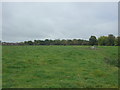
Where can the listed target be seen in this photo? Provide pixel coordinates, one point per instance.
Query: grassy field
(59, 67)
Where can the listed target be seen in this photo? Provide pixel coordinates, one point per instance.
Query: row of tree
(57, 42)
(109, 40)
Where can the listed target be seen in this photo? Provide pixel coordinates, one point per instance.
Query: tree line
(109, 40)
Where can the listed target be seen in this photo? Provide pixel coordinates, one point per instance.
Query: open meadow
(59, 67)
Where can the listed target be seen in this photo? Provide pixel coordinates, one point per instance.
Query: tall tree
(28, 42)
(103, 40)
(111, 40)
(117, 41)
(92, 40)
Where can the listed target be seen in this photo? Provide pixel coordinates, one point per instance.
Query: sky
(23, 21)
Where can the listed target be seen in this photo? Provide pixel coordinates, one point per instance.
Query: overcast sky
(30, 21)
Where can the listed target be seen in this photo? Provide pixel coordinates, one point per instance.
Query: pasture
(59, 67)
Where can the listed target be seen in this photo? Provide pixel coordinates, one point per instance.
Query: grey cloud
(29, 21)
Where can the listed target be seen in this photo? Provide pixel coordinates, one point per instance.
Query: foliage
(57, 42)
(109, 40)
(117, 41)
(93, 40)
(102, 40)
(29, 42)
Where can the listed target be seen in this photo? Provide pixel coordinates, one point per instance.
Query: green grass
(59, 67)
(0, 67)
